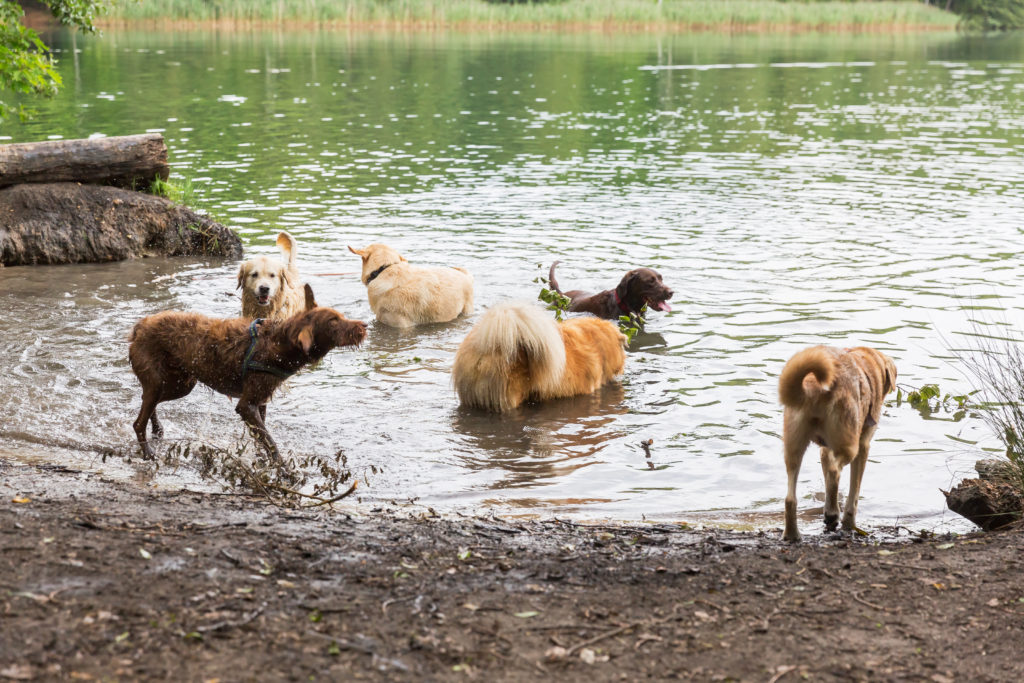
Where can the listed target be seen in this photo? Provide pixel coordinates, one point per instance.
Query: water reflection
(539, 441)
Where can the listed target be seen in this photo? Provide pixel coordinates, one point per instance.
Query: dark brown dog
(638, 288)
(171, 351)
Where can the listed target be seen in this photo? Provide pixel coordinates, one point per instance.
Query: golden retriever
(517, 352)
(403, 295)
(832, 397)
(241, 358)
(270, 288)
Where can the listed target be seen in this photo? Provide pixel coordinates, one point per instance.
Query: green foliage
(631, 324)
(990, 15)
(930, 399)
(556, 301)
(668, 13)
(26, 65)
(178, 192)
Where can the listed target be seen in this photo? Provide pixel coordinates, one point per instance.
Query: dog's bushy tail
(793, 391)
(286, 243)
(514, 350)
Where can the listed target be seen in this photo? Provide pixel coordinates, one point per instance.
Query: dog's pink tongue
(663, 306)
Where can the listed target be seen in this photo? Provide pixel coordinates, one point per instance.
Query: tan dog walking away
(271, 288)
(834, 398)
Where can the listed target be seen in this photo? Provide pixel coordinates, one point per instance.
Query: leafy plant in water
(556, 301)
(631, 324)
(930, 399)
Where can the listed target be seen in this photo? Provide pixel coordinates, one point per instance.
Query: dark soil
(103, 580)
(55, 223)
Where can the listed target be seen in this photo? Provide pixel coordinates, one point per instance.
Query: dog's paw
(791, 536)
(831, 522)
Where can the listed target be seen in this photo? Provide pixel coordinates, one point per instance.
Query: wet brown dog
(171, 351)
(638, 288)
(832, 397)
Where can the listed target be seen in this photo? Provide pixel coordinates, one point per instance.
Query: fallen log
(72, 223)
(130, 161)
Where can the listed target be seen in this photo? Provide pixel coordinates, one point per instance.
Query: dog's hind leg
(831, 464)
(795, 443)
(158, 429)
(856, 476)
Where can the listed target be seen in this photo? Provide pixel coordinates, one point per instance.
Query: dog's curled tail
(793, 391)
(286, 243)
(516, 349)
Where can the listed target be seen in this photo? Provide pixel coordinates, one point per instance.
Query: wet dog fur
(270, 288)
(517, 353)
(171, 351)
(404, 295)
(834, 398)
(638, 288)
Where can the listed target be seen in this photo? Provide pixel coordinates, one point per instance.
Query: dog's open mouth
(660, 305)
(263, 299)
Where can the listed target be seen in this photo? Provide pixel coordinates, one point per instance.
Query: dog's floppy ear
(623, 287)
(310, 301)
(286, 279)
(241, 275)
(305, 338)
(358, 252)
(890, 375)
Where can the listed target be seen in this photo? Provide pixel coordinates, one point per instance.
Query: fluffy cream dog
(403, 295)
(517, 352)
(271, 288)
(834, 398)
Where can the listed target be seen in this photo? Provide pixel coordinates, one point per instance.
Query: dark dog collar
(377, 272)
(249, 364)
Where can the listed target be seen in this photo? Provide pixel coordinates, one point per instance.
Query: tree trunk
(131, 161)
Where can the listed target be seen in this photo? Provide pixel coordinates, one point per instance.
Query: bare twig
(602, 636)
(872, 605)
(231, 624)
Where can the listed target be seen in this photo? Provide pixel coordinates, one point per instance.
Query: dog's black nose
(264, 290)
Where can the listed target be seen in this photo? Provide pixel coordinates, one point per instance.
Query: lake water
(793, 190)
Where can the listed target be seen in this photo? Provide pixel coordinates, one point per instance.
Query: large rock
(71, 223)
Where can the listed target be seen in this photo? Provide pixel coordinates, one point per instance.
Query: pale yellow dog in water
(403, 295)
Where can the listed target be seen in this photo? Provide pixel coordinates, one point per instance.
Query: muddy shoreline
(109, 580)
